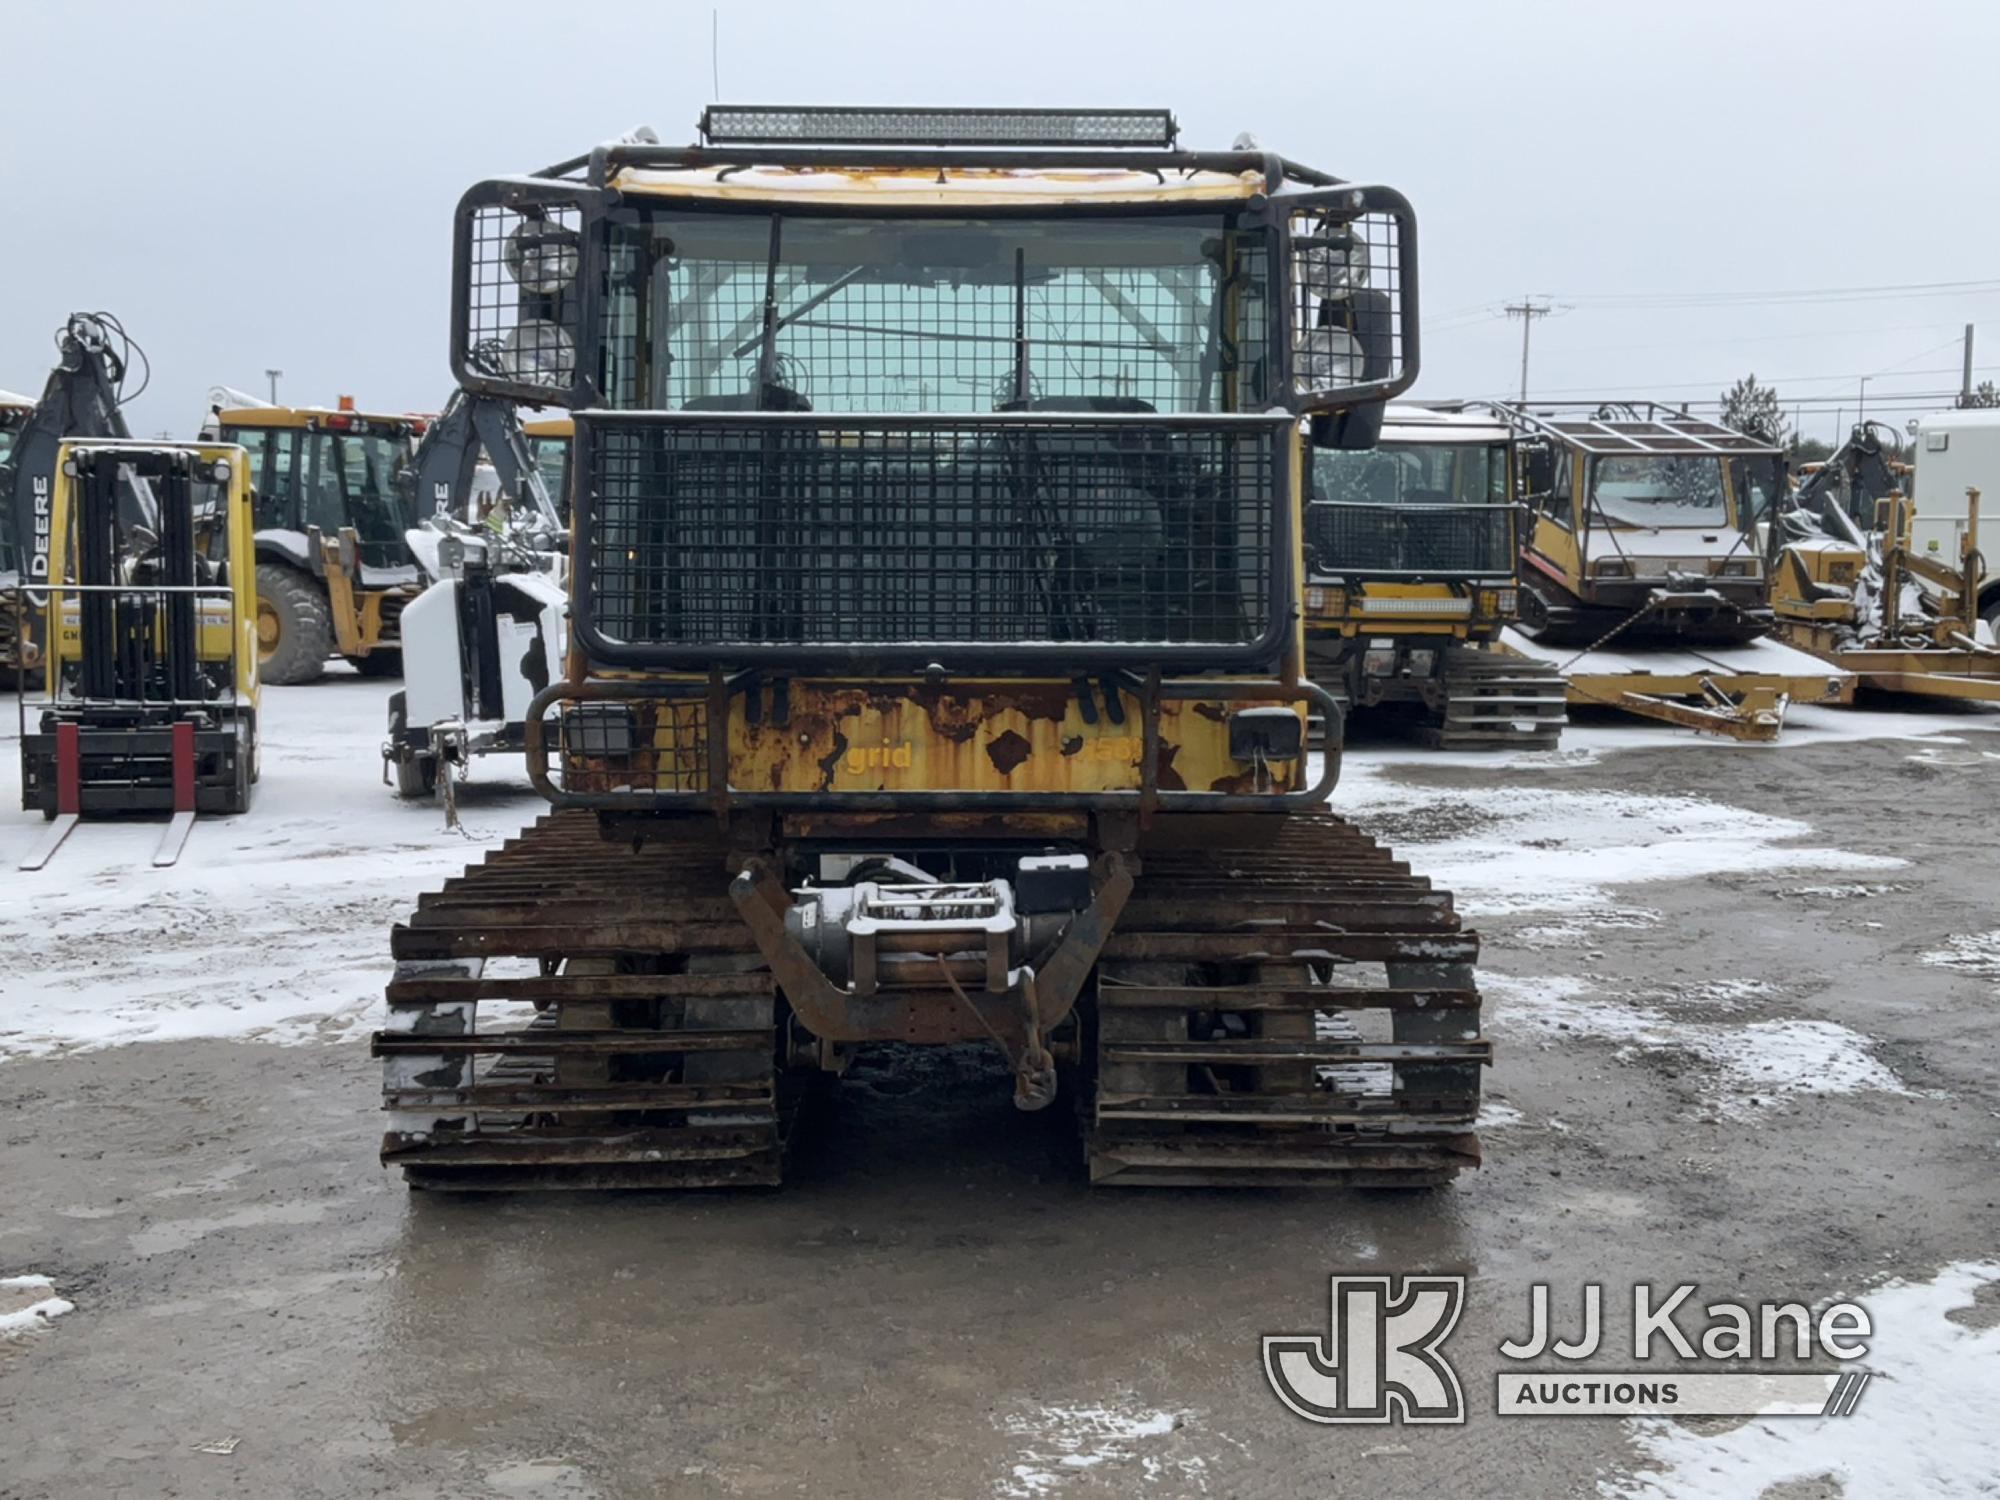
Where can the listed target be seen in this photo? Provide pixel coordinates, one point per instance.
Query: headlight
(1498, 604)
(539, 352)
(1330, 263)
(1329, 357)
(1611, 567)
(1739, 567)
(543, 256)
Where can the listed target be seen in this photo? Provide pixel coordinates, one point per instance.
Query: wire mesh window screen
(1411, 507)
(1347, 300)
(523, 302)
(725, 312)
(1424, 541)
(817, 533)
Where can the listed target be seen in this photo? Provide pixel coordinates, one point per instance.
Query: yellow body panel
(1446, 611)
(979, 737)
(906, 735)
(219, 623)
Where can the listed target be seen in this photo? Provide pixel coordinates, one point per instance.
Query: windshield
(1658, 490)
(1413, 474)
(355, 485)
(935, 315)
(551, 455)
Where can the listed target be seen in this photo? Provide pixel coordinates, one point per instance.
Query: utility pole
(1965, 380)
(272, 376)
(1527, 310)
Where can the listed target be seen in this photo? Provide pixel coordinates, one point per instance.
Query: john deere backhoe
(935, 671)
(333, 569)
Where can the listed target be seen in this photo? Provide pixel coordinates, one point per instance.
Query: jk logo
(1379, 1361)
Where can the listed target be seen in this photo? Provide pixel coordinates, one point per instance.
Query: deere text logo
(1379, 1361)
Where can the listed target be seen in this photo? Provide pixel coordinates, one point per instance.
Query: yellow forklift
(333, 568)
(150, 696)
(1410, 553)
(935, 671)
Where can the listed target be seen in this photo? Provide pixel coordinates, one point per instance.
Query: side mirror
(1360, 427)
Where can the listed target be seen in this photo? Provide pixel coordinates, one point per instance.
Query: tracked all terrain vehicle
(1410, 554)
(936, 671)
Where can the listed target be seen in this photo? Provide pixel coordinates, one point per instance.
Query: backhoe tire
(294, 626)
(383, 661)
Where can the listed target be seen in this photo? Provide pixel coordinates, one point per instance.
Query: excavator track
(571, 1013)
(1300, 1013)
(1496, 700)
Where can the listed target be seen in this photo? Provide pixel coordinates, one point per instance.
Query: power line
(1675, 300)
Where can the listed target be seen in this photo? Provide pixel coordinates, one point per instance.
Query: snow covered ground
(1924, 1428)
(273, 926)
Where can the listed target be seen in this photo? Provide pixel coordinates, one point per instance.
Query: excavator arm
(441, 472)
(1857, 475)
(81, 400)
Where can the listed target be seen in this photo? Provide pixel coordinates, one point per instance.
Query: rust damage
(830, 762)
(1072, 744)
(1008, 751)
(1164, 774)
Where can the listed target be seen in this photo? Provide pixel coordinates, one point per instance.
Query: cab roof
(1056, 184)
(309, 416)
(1628, 428)
(1443, 421)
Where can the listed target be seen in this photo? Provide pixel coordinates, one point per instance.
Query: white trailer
(1954, 451)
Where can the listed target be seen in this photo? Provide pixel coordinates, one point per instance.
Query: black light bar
(850, 124)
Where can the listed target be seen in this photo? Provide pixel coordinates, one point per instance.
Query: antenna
(714, 54)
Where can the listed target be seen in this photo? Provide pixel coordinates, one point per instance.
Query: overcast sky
(260, 185)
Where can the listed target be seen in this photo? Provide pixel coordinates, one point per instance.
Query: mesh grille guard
(985, 542)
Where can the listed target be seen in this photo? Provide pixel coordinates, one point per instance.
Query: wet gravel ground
(936, 1306)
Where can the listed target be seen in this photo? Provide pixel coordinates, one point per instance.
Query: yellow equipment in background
(1641, 578)
(1870, 603)
(333, 568)
(550, 440)
(151, 692)
(1410, 553)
